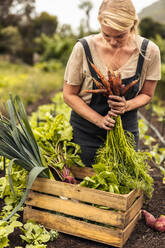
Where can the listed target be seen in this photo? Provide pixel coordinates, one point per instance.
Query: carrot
(110, 80)
(103, 79)
(96, 91)
(110, 76)
(119, 80)
(128, 87)
(98, 84)
(116, 88)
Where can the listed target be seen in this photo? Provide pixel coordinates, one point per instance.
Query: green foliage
(5, 230)
(54, 135)
(4, 187)
(161, 44)
(18, 144)
(19, 178)
(119, 168)
(65, 31)
(55, 47)
(159, 112)
(36, 235)
(150, 28)
(157, 152)
(45, 23)
(60, 106)
(102, 180)
(10, 40)
(159, 92)
(18, 13)
(163, 73)
(49, 66)
(147, 139)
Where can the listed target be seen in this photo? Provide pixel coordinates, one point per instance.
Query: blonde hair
(119, 15)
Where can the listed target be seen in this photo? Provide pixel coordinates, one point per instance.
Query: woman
(119, 47)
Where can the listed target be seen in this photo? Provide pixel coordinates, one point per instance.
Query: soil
(141, 237)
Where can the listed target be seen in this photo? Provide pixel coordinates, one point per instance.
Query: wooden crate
(68, 208)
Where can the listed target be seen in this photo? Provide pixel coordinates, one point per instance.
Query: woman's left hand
(117, 104)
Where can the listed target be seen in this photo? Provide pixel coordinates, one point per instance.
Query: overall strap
(89, 58)
(141, 56)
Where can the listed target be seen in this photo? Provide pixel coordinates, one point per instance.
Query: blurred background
(37, 37)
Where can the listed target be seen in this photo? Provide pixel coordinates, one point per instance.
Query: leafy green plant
(36, 235)
(19, 145)
(6, 229)
(147, 139)
(4, 187)
(19, 183)
(157, 152)
(54, 136)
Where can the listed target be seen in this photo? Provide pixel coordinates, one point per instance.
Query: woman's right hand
(107, 122)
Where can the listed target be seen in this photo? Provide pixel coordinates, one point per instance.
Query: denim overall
(89, 136)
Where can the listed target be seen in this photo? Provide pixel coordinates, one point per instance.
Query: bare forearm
(138, 102)
(81, 108)
(144, 97)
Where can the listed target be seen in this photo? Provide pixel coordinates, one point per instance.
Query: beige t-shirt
(77, 71)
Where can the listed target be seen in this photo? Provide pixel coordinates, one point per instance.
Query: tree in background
(42, 24)
(66, 30)
(150, 28)
(10, 42)
(87, 7)
(45, 23)
(14, 15)
(13, 12)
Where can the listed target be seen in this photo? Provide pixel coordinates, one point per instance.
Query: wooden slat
(132, 197)
(80, 173)
(75, 227)
(77, 209)
(128, 230)
(84, 194)
(133, 210)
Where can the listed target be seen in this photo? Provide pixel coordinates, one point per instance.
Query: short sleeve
(74, 68)
(154, 64)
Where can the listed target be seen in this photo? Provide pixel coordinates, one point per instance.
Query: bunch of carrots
(112, 86)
